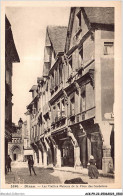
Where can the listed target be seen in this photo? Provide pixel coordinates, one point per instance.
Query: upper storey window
(79, 19)
(108, 48)
(77, 36)
(70, 65)
(60, 73)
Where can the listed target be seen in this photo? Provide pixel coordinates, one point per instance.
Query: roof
(100, 15)
(57, 35)
(34, 87)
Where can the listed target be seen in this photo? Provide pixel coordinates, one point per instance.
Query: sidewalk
(83, 171)
(78, 170)
(50, 175)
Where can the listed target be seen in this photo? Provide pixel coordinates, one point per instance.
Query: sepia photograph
(59, 97)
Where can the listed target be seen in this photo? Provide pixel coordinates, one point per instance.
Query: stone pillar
(34, 157)
(40, 158)
(45, 158)
(49, 157)
(88, 148)
(77, 162)
(37, 157)
(83, 151)
(58, 158)
(107, 162)
(49, 153)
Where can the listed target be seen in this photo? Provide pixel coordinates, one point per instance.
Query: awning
(28, 152)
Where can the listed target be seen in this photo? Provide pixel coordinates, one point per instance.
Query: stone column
(49, 153)
(45, 158)
(40, 158)
(44, 153)
(83, 151)
(77, 162)
(88, 148)
(107, 162)
(58, 157)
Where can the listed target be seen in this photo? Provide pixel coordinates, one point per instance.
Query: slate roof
(100, 15)
(57, 35)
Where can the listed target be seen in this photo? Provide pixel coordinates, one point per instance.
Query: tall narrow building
(11, 56)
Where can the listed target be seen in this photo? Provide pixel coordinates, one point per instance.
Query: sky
(29, 29)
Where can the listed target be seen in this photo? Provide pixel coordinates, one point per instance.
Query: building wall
(104, 78)
(11, 56)
(75, 98)
(15, 147)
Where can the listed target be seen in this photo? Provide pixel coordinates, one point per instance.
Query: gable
(75, 29)
(76, 26)
(89, 16)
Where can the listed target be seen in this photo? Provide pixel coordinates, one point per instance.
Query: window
(72, 105)
(53, 113)
(83, 99)
(60, 73)
(80, 56)
(32, 132)
(70, 64)
(79, 18)
(35, 130)
(56, 78)
(63, 108)
(52, 81)
(108, 48)
(58, 109)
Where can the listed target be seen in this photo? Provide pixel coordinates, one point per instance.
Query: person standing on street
(9, 160)
(92, 169)
(30, 165)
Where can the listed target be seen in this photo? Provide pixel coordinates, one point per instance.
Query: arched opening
(16, 153)
(67, 153)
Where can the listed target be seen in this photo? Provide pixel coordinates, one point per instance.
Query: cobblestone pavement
(20, 174)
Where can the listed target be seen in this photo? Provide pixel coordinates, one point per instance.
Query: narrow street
(20, 175)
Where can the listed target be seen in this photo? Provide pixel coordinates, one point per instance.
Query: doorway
(67, 153)
(14, 157)
(16, 153)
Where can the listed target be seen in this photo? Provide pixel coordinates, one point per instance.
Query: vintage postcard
(61, 95)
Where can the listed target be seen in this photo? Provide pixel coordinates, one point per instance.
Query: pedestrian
(9, 160)
(92, 169)
(30, 165)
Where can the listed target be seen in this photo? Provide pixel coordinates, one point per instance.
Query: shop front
(64, 152)
(89, 140)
